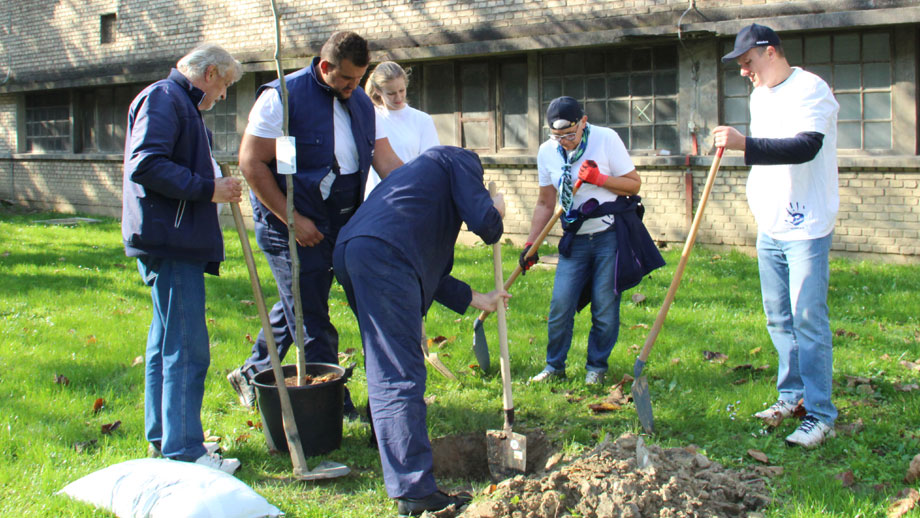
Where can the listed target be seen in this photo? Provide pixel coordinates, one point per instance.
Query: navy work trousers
(384, 292)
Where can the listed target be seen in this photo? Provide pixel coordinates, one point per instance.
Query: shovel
(639, 391)
(507, 451)
(326, 469)
(433, 360)
(480, 346)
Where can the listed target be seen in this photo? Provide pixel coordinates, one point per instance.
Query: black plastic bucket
(317, 409)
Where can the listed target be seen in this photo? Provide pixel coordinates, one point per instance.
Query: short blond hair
(195, 64)
(384, 72)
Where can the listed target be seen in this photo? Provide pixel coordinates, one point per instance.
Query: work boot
(810, 433)
(546, 374)
(434, 502)
(243, 387)
(778, 411)
(154, 452)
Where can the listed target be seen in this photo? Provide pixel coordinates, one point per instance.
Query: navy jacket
(637, 255)
(169, 177)
(310, 122)
(418, 209)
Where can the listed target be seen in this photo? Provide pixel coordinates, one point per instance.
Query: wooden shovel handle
(507, 400)
(295, 447)
(533, 248)
(688, 245)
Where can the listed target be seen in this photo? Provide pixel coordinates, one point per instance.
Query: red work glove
(526, 263)
(591, 174)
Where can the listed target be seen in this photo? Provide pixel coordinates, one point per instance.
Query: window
(477, 104)
(632, 90)
(857, 66)
(107, 28)
(221, 120)
(104, 117)
(48, 122)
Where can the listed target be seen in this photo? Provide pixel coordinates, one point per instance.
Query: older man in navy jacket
(394, 259)
(169, 222)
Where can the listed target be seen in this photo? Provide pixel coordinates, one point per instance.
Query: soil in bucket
(318, 408)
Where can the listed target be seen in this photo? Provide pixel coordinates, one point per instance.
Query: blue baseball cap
(563, 112)
(752, 36)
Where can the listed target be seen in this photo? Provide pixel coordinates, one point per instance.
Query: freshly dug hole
(463, 456)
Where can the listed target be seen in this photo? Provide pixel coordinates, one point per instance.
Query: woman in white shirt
(410, 131)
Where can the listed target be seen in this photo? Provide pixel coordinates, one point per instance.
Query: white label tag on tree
(286, 155)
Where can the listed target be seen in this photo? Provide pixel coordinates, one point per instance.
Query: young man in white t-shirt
(792, 191)
(598, 157)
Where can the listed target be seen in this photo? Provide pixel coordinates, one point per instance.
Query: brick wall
(7, 124)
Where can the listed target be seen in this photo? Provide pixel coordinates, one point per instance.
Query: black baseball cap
(752, 36)
(563, 112)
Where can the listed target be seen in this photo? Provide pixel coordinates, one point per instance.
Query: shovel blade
(643, 401)
(507, 453)
(326, 469)
(480, 347)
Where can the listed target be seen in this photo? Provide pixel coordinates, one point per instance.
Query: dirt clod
(608, 482)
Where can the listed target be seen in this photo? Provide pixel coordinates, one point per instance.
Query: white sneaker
(774, 415)
(810, 433)
(215, 461)
(594, 378)
(546, 374)
(153, 449)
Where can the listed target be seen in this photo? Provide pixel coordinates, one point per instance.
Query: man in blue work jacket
(337, 140)
(169, 223)
(394, 259)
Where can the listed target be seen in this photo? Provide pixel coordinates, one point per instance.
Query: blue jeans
(794, 277)
(177, 356)
(593, 259)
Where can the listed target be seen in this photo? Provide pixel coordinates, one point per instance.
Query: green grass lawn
(73, 305)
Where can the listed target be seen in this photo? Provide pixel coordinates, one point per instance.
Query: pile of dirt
(626, 479)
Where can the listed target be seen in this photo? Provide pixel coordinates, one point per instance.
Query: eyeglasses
(563, 138)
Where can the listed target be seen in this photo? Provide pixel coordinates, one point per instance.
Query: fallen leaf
(675, 361)
(626, 379)
(714, 357)
(350, 350)
(208, 437)
(913, 472)
(910, 365)
(439, 339)
(98, 405)
(853, 381)
(212, 321)
(634, 348)
(769, 471)
(846, 478)
(906, 500)
(616, 396)
(84, 446)
(636, 326)
(755, 350)
(60, 379)
(249, 338)
(638, 298)
(491, 489)
(885, 357)
(799, 410)
(91, 339)
(740, 381)
(137, 361)
(242, 438)
(850, 428)
(762, 367)
(110, 427)
(604, 407)
(759, 456)
(430, 400)
(743, 367)
(257, 425)
(247, 302)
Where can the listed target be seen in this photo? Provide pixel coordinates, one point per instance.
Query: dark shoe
(352, 415)
(434, 502)
(242, 387)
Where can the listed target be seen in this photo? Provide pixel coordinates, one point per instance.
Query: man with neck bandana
(598, 157)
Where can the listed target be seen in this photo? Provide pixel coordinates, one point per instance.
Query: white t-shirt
(605, 148)
(409, 131)
(267, 117)
(795, 201)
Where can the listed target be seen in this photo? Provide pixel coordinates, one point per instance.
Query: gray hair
(384, 72)
(195, 64)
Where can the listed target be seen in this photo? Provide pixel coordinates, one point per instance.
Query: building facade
(485, 70)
